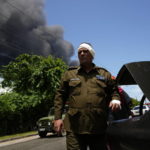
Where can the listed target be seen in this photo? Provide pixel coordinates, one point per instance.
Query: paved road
(35, 143)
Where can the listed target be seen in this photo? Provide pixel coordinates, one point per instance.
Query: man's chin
(83, 61)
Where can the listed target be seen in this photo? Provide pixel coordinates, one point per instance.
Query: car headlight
(49, 123)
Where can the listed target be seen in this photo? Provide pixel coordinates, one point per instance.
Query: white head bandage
(88, 47)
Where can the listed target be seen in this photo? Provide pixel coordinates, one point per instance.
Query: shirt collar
(80, 69)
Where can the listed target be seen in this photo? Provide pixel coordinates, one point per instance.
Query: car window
(51, 112)
(144, 107)
(136, 108)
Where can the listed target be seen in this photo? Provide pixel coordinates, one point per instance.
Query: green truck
(46, 124)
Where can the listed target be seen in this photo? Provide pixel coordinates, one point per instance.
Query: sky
(119, 30)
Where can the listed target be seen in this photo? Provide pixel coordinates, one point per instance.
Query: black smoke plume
(23, 29)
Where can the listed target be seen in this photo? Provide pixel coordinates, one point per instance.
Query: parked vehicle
(136, 110)
(46, 124)
(132, 133)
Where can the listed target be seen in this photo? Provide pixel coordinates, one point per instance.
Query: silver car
(136, 110)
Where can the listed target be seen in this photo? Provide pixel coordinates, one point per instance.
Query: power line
(25, 15)
(10, 29)
(11, 45)
(9, 33)
(18, 9)
(13, 58)
(15, 42)
(28, 16)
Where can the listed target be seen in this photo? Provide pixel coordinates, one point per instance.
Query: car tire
(42, 134)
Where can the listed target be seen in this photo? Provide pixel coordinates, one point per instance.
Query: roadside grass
(19, 135)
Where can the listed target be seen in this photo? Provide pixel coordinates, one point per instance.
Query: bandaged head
(88, 47)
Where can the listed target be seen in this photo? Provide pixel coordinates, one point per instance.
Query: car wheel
(42, 134)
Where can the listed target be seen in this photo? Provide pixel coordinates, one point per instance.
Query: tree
(135, 102)
(33, 80)
(32, 74)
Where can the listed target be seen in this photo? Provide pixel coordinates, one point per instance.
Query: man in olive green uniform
(89, 91)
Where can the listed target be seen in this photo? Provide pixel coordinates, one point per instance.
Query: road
(35, 143)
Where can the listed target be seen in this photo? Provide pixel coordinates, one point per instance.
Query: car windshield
(51, 112)
(138, 107)
(144, 107)
(135, 108)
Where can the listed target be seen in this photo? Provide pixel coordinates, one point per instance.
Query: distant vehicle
(132, 133)
(148, 104)
(136, 110)
(46, 124)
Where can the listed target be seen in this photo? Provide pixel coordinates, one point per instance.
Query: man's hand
(115, 105)
(58, 125)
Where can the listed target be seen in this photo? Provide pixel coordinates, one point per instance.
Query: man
(90, 91)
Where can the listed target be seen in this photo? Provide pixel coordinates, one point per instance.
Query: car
(45, 125)
(132, 133)
(136, 110)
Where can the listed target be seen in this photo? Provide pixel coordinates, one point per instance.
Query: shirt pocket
(75, 87)
(73, 112)
(100, 83)
(98, 87)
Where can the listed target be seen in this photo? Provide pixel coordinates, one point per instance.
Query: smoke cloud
(23, 29)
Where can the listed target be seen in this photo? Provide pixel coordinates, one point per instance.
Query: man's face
(84, 56)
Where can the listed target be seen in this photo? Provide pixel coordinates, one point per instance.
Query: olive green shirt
(88, 96)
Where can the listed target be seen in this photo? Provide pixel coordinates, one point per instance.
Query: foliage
(33, 80)
(33, 75)
(135, 102)
(13, 102)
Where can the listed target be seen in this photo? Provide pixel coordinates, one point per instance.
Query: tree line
(33, 81)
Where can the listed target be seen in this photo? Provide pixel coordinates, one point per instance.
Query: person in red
(125, 111)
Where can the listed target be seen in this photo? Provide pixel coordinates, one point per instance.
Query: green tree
(34, 75)
(33, 80)
(135, 102)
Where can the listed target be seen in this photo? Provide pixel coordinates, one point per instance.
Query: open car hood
(133, 133)
(136, 73)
